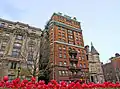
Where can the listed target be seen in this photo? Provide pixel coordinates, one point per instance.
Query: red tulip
(54, 82)
(41, 82)
(85, 85)
(50, 85)
(33, 79)
(5, 78)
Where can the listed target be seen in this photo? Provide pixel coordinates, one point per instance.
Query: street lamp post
(19, 69)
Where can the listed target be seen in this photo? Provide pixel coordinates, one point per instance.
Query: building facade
(109, 73)
(112, 69)
(19, 44)
(95, 66)
(67, 53)
(116, 65)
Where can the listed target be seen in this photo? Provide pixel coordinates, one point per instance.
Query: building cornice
(115, 58)
(68, 44)
(65, 25)
(68, 17)
(21, 24)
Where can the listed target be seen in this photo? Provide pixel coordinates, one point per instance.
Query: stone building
(67, 53)
(95, 66)
(19, 45)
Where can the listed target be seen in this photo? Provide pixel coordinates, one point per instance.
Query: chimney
(117, 55)
(87, 48)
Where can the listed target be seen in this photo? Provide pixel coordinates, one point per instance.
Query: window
(60, 73)
(70, 73)
(78, 51)
(69, 31)
(3, 47)
(63, 28)
(80, 65)
(60, 63)
(65, 63)
(59, 34)
(1, 53)
(63, 35)
(51, 63)
(76, 23)
(63, 73)
(16, 50)
(59, 27)
(30, 56)
(82, 57)
(10, 25)
(64, 48)
(13, 65)
(76, 33)
(75, 73)
(15, 54)
(60, 47)
(70, 37)
(59, 39)
(64, 55)
(82, 51)
(79, 58)
(70, 42)
(76, 38)
(2, 24)
(19, 37)
(68, 20)
(22, 26)
(4, 43)
(71, 64)
(7, 34)
(62, 40)
(17, 45)
(74, 65)
(29, 63)
(66, 73)
(61, 18)
(84, 65)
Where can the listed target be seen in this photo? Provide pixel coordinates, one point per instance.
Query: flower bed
(25, 84)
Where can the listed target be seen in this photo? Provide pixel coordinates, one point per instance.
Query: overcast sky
(100, 19)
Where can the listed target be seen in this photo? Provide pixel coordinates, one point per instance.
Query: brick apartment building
(67, 53)
(111, 70)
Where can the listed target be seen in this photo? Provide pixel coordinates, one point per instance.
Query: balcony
(73, 59)
(75, 76)
(78, 75)
(74, 68)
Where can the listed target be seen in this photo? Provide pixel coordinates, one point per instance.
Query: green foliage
(24, 72)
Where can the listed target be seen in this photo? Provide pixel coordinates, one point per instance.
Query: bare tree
(40, 61)
(31, 55)
(44, 61)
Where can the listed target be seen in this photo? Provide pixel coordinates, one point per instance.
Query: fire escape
(75, 71)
